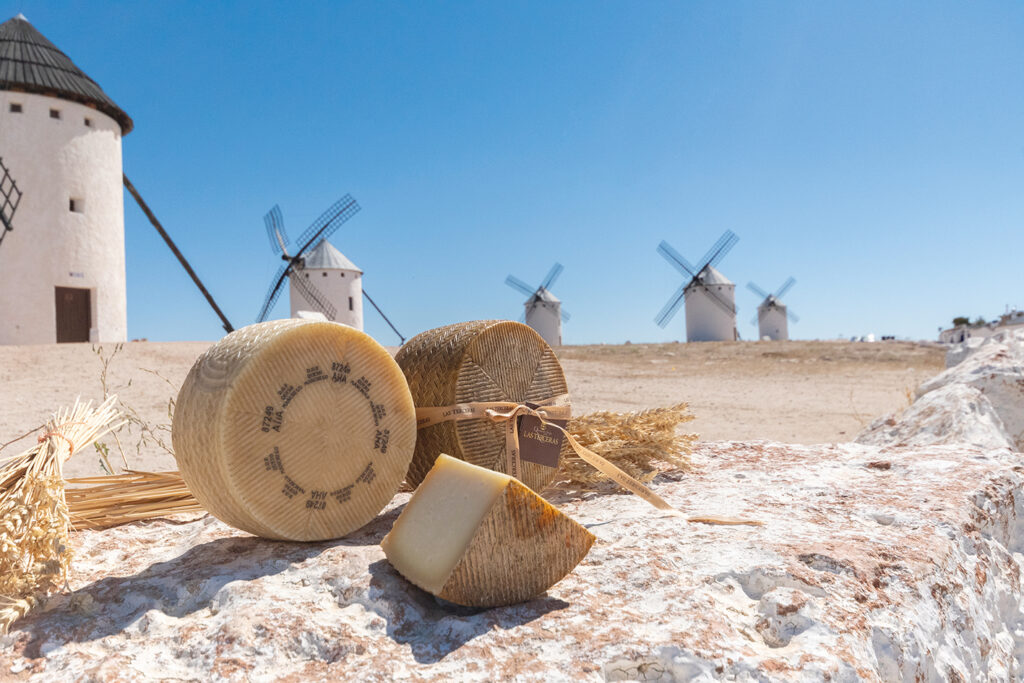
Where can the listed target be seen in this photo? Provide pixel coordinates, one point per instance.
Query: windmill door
(74, 314)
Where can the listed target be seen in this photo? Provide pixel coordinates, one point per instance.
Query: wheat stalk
(635, 442)
(34, 518)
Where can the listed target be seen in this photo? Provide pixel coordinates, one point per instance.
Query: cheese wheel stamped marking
(275, 415)
(295, 430)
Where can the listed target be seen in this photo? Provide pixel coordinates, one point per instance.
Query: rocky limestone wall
(897, 559)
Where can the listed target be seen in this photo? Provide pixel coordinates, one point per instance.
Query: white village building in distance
(62, 265)
(1011, 320)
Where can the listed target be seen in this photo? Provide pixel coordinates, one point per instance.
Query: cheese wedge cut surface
(481, 538)
(294, 429)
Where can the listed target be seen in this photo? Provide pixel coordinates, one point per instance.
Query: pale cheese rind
(479, 538)
(294, 429)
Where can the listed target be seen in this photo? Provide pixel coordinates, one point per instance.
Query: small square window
(55, 113)
(325, 274)
(15, 107)
(88, 122)
(76, 205)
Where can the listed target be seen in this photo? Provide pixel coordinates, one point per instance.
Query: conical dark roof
(31, 63)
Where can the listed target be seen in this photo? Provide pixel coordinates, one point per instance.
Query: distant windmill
(771, 314)
(338, 291)
(710, 297)
(10, 197)
(543, 309)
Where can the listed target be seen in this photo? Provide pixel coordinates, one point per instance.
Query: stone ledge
(872, 563)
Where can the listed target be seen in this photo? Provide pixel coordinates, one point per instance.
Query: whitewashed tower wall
(772, 323)
(545, 317)
(54, 161)
(343, 288)
(706, 319)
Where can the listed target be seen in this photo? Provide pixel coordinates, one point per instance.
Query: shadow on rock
(177, 587)
(434, 628)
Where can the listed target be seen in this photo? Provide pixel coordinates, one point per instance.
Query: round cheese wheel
(294, 429)
(479, 361)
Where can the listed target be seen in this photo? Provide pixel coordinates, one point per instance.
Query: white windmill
(710, 297)
(543, 310)
(62, 265)
(772, 314)
(321, 279)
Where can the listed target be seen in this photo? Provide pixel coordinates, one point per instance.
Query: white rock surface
(958, 352)
(898, 559)
(951, 414)
(870, 565)
(996, 369)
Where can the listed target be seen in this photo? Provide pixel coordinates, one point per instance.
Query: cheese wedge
(294, 429)
(481, 538)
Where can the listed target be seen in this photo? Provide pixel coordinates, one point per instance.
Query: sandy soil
(798, 392)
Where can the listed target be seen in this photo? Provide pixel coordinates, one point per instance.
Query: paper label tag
(538, 443)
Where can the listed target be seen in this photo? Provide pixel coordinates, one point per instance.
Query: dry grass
(639, 443)
(34, 550)
(103, 502)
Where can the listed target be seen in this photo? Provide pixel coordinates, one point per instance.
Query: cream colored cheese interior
(439, 521)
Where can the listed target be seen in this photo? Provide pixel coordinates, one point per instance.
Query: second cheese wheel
(294, 429)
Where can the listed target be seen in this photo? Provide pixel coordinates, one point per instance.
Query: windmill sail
(10, 197)
(696, 276)
(325, 225)
(704, 291)
(541, 296)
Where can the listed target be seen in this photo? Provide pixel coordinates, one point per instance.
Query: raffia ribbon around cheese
(508, 413)
(503, 411)
(482, 361)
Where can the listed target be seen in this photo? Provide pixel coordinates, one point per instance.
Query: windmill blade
(275, 230)
(329, 221)
(10, 197)
(670, 308)
(177, 252)
(515, 283)
(792, 316)
(312, 295)
(784, 288)
(565, 316)
(676, 259)
(715, 255)
(553, 274)
(393, 328)
(754, 320)
(274, 292)
(757, 290)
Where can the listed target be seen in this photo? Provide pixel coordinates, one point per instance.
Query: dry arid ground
(797, 391)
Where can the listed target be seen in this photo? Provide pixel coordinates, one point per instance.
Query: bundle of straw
(34, 519)
(103, 502)
(635, 442)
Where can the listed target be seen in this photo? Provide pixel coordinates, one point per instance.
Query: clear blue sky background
(874, 151)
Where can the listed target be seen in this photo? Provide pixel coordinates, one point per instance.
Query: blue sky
(873, 151)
